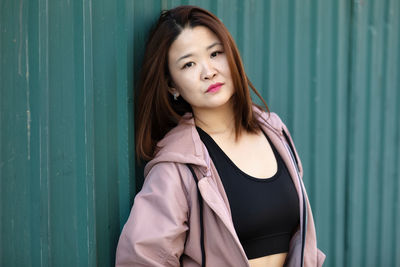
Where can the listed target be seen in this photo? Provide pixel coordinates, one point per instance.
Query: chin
(219, 104)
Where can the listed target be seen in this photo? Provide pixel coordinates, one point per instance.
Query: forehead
(192, 39)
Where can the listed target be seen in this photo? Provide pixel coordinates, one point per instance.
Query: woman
(223, 185)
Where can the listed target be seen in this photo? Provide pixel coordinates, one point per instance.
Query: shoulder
(269, 119)
(275, 120)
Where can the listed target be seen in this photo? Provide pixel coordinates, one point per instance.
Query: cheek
(184, 85)
(224, 66)
(178, 79)
(188, 80)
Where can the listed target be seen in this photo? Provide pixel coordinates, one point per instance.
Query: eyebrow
(208, 48)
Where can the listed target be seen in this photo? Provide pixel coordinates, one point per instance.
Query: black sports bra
(265, 212)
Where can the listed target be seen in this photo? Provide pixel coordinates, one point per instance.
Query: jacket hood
(180, 145)
(183, 145)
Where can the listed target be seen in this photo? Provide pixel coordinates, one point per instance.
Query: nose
(208, 71)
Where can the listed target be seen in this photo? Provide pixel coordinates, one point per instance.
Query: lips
(214, 87)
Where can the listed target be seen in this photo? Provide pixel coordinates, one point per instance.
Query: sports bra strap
(199, 197)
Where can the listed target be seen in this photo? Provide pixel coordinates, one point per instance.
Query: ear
(173, 91)
(172, 88)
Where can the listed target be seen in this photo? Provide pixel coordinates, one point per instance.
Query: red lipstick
(214, 87)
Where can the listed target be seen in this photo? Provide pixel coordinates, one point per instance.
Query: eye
(188, 65)
(216, 53)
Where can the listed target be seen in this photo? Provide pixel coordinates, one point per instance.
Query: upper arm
(155, 232)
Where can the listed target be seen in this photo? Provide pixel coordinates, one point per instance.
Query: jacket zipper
(304, 230)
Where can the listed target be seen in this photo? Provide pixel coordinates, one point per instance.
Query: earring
(176, 96)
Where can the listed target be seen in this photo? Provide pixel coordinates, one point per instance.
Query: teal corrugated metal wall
(66, 130)
(67, 69)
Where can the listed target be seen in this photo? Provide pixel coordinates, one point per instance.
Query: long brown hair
(157, 112)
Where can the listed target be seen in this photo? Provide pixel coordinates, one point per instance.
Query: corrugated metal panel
(329, 68)
(373, 136)
(66, 131)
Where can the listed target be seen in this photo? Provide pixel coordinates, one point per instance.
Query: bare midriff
(275, 260)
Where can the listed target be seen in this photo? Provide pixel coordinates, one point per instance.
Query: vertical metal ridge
(122, 110)
(126, 181)
(366, 166)
(240, 26)
(7, 153)
(396, 205)
(333, 235)
(377, 94)
(343, 15)
(369, 166)
(396, 188)
(386, 185)
(313, 93)
(2, 123)
(88, 102)
(364, 96)
(44, 135)
(291, 64)
(130, 87)
(265, 64)
(348, 168)
(333, 114)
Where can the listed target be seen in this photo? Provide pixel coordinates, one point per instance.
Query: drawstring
(296, 163)
(203, 253)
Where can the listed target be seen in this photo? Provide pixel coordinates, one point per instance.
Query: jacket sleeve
(155, 232)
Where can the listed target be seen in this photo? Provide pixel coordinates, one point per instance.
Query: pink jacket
(163, 228)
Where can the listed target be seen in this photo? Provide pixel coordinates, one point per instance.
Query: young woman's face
(199, 69)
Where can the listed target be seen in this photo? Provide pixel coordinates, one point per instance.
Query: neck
(218, 121)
